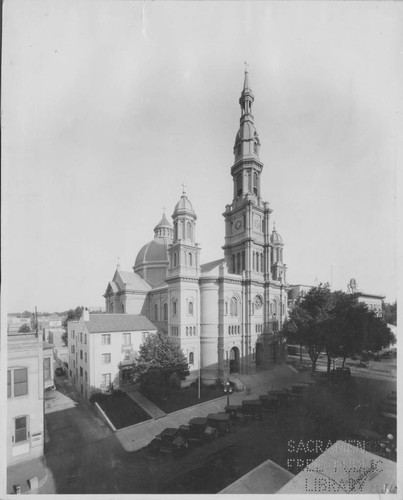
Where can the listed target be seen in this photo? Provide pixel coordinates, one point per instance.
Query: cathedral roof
(100, 323)
(211, 266)
(133, 281)
(155, 250)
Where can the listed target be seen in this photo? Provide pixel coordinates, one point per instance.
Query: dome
(155, 250)
(275, 237)
(183, 206)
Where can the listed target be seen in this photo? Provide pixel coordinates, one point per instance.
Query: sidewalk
(20, 474)
(140, 435)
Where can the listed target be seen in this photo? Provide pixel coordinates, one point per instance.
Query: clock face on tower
(257, 223)
(238, 224)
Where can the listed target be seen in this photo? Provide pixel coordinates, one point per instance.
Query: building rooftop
(100, 323)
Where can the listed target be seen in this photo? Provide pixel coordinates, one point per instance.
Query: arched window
(191, 358)
(156, 311)
(190, 308)
(233, 264)
(175, 231)
(174, 259)
(174, 307)
(239, 185)
(229, 330)
(111, 307)
(255, 183)
(190, 259)
(226, 308)
(189, 230)
(187, 331)
(234, 307)
(257, 262)
(261, 263)
(165, 311)
(123, 307)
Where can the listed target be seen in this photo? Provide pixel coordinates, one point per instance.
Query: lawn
(121, 410)
(186, 397)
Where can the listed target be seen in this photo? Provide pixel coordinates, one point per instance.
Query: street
(84, 455)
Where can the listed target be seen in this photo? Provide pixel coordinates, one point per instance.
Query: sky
(109, 107)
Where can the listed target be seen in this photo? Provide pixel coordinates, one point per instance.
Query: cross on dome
(184, 189)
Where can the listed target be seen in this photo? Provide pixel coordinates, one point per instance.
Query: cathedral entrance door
(234, 360)
(259, 354)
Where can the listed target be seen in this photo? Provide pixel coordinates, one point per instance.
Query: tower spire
(246, 80)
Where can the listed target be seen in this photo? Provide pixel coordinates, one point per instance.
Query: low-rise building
(373, 302)
(29, 373)
(102, 349)
(295, 291)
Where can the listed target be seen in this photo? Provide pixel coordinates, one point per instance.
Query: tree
(335, 322)
(71, 315)
(305, 325)
(24, 328)
(160, 365)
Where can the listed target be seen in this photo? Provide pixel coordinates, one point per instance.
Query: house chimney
(86, 314)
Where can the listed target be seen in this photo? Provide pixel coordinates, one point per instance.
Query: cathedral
(227, 315)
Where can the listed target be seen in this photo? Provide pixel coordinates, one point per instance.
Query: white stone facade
(227, 315)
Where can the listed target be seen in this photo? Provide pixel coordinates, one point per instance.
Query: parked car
(220, 421)
(253, 407)
(169, 441)
(298, 390)
(340, 374)
(269, 402)
(197, 431)
(237, 414)
(60, 371)
(281, 394)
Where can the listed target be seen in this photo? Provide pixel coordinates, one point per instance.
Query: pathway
(140, 435)
(145, 403)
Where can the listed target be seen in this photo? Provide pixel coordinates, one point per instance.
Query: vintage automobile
(237, 414)
(281, 394)
(220, 421)
(388, 406)
(197, 431)
(298, 390)
(169, 441)
(340, 374)
(253, 407)
(270, 402)
(60, 371)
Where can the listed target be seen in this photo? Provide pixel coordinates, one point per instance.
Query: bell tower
(247, 238)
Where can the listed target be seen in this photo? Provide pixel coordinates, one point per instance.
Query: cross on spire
(118, 264)
(163, 210)
(246, 67)
(184, 188)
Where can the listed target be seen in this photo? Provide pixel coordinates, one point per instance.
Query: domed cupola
(184, 219)
(163, 228)
(152, 260)
(184, 207)
(275, 237)
(278, 268)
